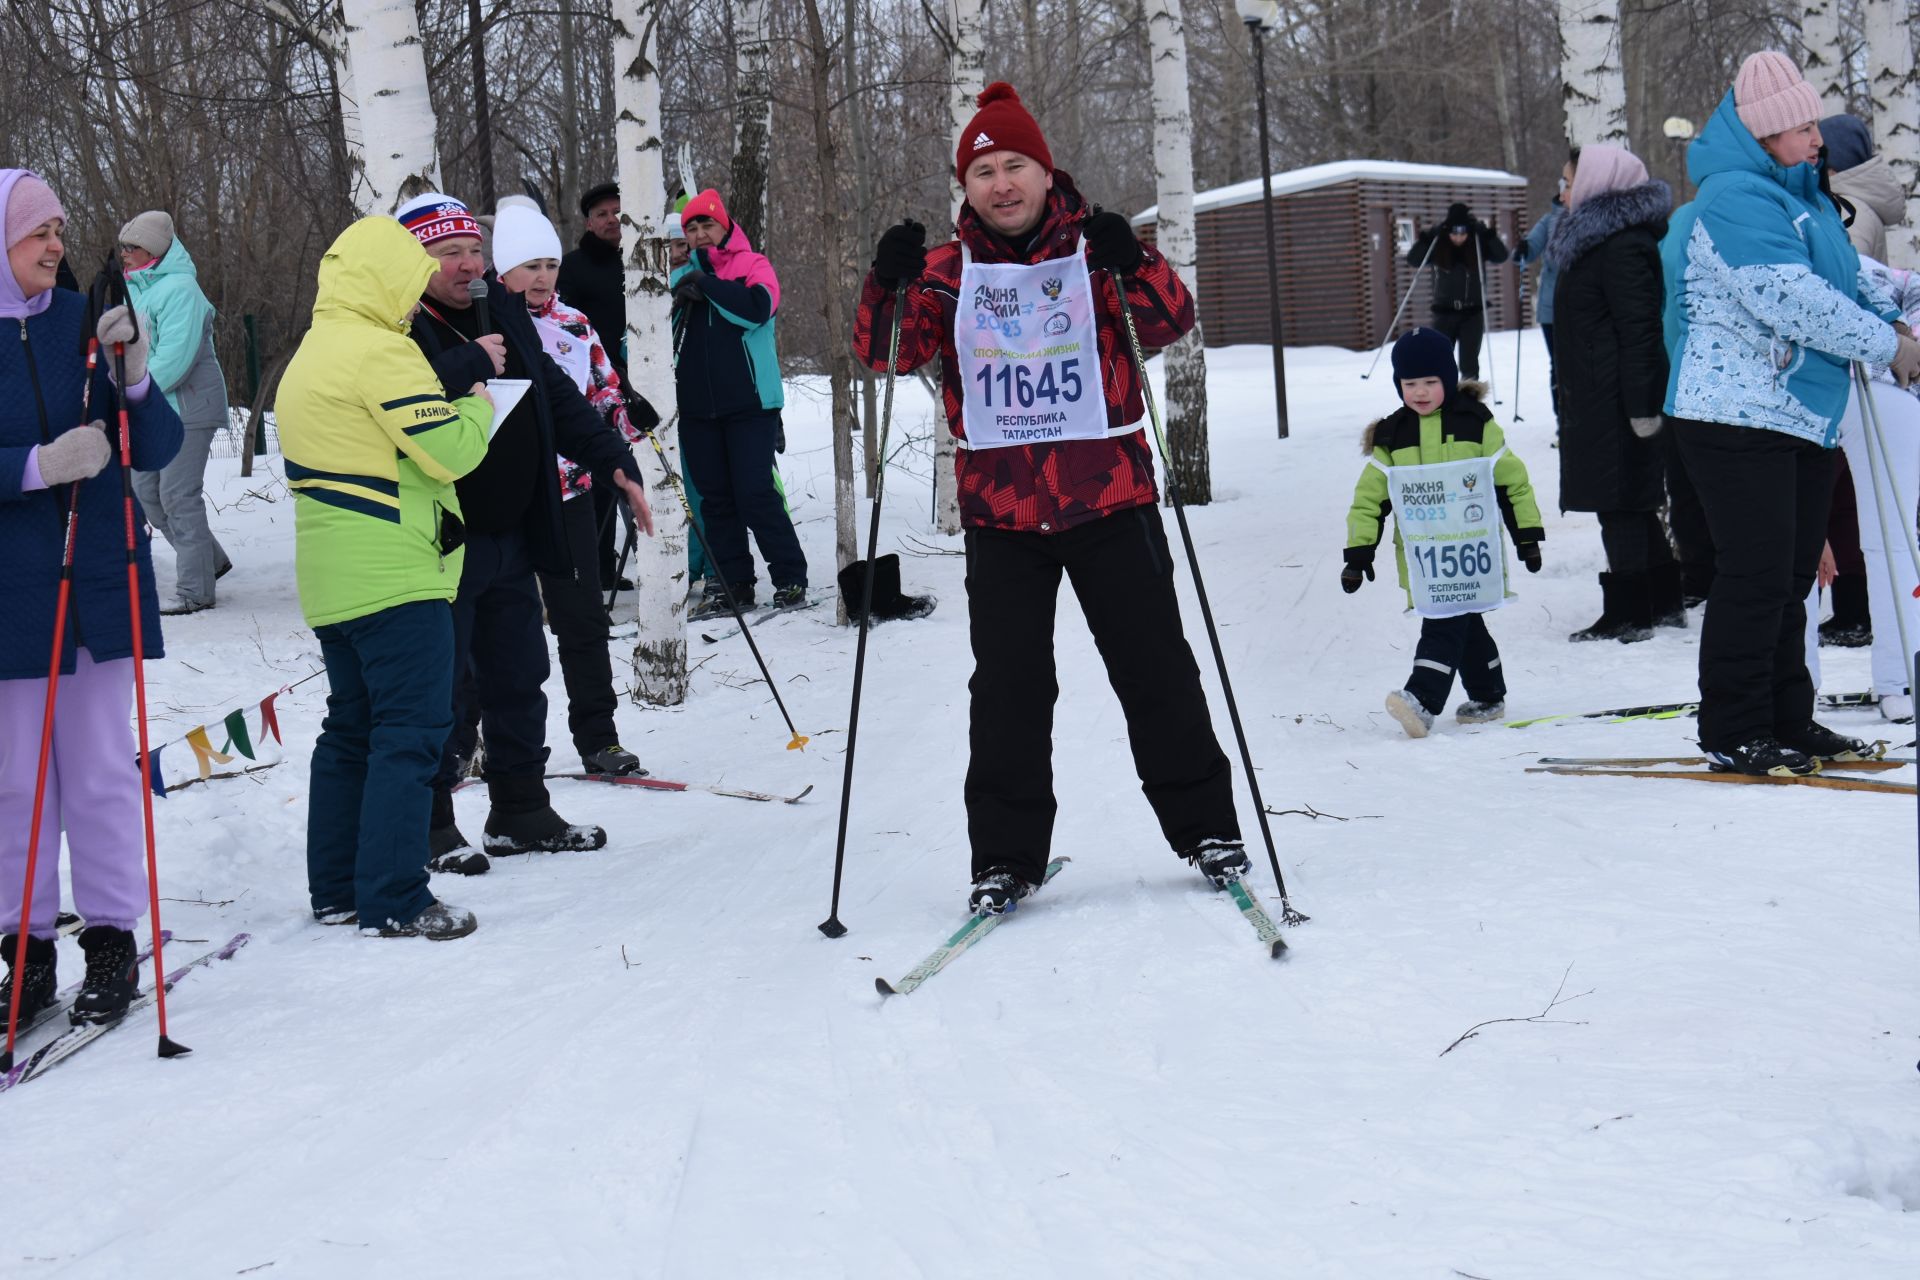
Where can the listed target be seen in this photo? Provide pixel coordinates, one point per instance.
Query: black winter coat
(592, 280)
(1457, 272)
(562, 420)
(1610, 357)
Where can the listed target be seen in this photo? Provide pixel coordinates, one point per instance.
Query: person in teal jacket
(727, 372)
(1766, 309)
(165, 290)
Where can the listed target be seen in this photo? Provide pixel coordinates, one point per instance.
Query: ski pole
(46, 729)
(1879, 467)
(1288, 913)
(1405, 299)
(169, 1048)
(799, 740)
(1519, 336)
(620, 568)
(831, 926)
(1486, 320)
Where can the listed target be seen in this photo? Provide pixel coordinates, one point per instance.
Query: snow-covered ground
(647, 1062)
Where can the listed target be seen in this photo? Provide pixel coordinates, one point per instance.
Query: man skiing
(1055, 476)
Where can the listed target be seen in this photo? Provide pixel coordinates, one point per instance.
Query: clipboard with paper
(507, 394)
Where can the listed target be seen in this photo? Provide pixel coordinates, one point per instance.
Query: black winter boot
(113, 975)
(997, 891)
(1851, 626)
(1666, 595)
(449, 851)
(539, 831)
(37, 980)
(1626, 610)
(1220, 861)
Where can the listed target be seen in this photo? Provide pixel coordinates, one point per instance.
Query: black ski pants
(1635, 541)
(1766, 496)
(1686, 520)
(1460, 644)
(1122, 573)
(577, 613)
(496, 628)
(731, 462)
(1466, 328)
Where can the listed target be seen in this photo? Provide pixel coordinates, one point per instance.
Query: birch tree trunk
(1186, 360)
(837, 287)
(1896, 115)
(393, 130)
(1594, 91)
(967, 71)
(1823, 50)
(752, 119)
(660, 562)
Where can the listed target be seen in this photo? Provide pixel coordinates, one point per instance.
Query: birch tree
(393, 131)
(1896, 114)
(1823, 49)
(1593, 89)
(660, 652)
(967, 71)
(752, 118)
(1186, 360)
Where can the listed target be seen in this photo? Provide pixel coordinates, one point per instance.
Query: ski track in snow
(1118, 1082)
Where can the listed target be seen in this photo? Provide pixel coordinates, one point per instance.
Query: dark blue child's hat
(1425, 353)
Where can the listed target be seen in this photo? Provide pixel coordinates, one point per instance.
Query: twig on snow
(1311, 812)
(1541, 1016)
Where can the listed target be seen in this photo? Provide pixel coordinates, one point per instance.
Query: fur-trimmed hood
(1474, 391)
(1597, 217)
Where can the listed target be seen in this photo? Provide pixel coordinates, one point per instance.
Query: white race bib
(1029, 351)
(1449, 520)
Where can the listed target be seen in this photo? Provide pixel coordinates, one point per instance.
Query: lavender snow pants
(93, 791)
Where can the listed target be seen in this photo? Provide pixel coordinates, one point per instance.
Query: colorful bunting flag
(270, 723)
(236, 724)
(153, 773)
(203, 753)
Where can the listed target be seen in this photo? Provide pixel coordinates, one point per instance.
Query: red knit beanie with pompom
(1001, 124)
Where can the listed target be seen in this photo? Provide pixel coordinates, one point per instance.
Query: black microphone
(477, 290)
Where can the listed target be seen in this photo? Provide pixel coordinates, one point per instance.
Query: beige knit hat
(1771, 96)
(152, 231)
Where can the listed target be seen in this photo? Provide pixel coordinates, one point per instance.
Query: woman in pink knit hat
(1766, 308)
(55, 451)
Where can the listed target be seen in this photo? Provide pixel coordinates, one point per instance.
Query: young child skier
(1440, 463)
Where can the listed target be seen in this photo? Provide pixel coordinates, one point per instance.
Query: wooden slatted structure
(1342, 231)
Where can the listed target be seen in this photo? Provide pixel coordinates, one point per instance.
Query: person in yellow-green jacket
(1441, 466)
(372, 448)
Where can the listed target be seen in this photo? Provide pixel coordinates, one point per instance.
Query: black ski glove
(691, 288)
(1529, 553)
(1111, 244)
(901, 255)
(1359, 561)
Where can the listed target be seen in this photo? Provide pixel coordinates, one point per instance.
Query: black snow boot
(1626, 610)
(1851, 626)
(997, 891)
(449, 851)
(1822, 743)
(1666, 597)
(615, 761)
(1220, 861)
(1764, 754)
(113, 975)
(37, 980)
(889, 601)
(539, 831)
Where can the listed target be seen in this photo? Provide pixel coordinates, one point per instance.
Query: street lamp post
(1258, 15)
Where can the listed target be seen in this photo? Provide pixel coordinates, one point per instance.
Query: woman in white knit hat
(526, 257)
(1766, 309)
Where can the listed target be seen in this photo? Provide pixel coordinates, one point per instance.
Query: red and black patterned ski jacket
(1041, 488)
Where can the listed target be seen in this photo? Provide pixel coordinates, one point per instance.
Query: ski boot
(449, 851)
(37, 978)
(1765, 755)
(997, 891)
(1475, 712)
(615, 761)
(790, 597)
(336, 915)
(1414, 718)
(1220, 861)
(539, 831)
(113, 976)
(1822, 743)
(440, 922)
(714, 604)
